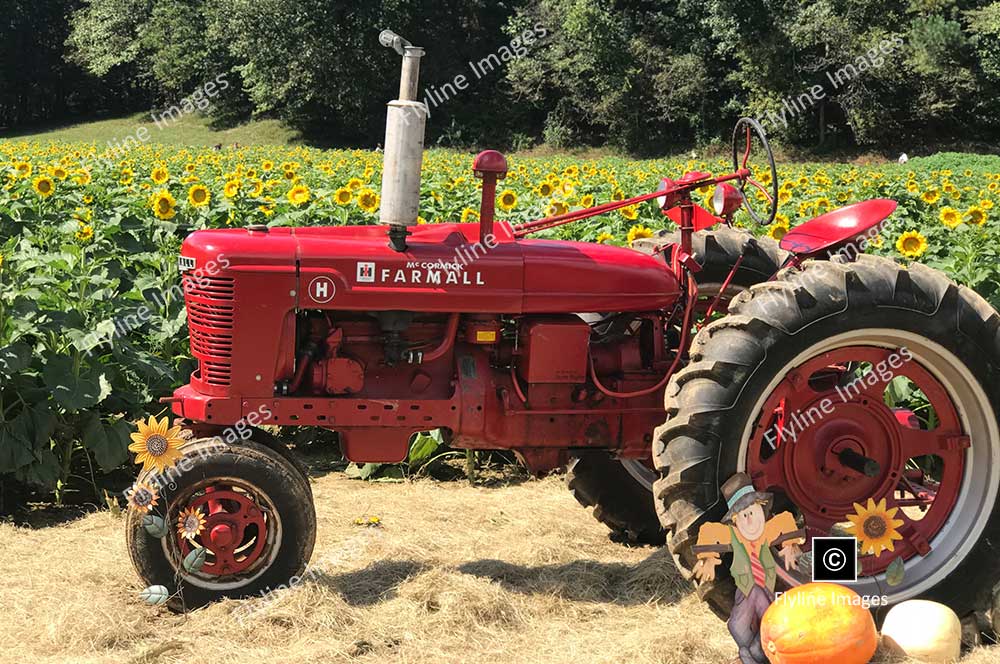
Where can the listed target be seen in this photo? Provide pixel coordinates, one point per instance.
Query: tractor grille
(210, 305)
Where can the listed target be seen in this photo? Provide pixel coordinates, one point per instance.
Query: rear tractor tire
(620, 490)
(844, 332)
(259, 524)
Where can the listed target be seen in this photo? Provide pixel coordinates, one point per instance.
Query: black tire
(717, 250)
(710, 402)
(248, 463)
(619, 499)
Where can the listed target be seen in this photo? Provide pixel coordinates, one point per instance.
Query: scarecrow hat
(739, 494)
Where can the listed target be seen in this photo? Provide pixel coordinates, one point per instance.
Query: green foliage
(647, 77)
(984, 28)
(62, 395)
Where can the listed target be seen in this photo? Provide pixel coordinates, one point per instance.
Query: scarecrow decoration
(753, 537)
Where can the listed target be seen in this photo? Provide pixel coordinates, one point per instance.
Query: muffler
(403, 155)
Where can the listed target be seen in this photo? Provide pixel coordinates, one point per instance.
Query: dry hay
(515, 573)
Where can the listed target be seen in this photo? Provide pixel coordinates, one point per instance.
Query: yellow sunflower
(931, 196)
(231, 189)
(544, 189)
(949, 216)
(875, 527)
(604, 238)
(163, 204)
(976, 215)
(637, 232)
(911, 244)
(126, 177)
(44, 186)
(199, 195)
(777, 231)
(354, 184)
(266, 165)
(142, 497)
(343, 196)
(368, 200)
(630, 212)
(159, 175)
(298, 195)
(85, 233)
(507, 200)
(587, 200)
(156, 444)
(190, 523)
(469, 216)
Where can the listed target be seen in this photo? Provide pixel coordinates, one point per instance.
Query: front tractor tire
(848, 332)
(620, 490)
(259, 531)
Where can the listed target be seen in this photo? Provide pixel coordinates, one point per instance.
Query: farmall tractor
(654, 372)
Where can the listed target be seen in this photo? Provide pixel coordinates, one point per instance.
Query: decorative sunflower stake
(875, 527)
(195, 560)
(155, 526)
(142, 497)
(156, 444)
(155, 595)
(190, 523)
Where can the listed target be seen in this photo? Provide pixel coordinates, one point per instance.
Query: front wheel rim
(968, 488)
(242, 533)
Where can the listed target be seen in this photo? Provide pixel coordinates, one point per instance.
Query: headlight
(726, 200)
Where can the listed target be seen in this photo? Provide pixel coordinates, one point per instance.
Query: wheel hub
(827, 440)
(236, 533)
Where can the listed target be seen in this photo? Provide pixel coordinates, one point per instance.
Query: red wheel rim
(237, 534)
(819, 409)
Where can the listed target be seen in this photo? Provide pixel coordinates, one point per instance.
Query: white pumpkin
(926, 631)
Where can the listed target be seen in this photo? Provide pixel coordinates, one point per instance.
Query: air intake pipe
(404, 145)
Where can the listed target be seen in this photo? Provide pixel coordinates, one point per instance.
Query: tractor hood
(445, 268)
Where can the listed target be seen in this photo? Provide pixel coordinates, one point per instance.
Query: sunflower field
(92, 328)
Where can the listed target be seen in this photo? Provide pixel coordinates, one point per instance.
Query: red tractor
(654, 372)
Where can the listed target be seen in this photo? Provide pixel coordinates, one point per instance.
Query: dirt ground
(512, 573)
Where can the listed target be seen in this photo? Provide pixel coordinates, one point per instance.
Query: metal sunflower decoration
(142, 497)
(875, 527)
(190, 523)
(156, 444)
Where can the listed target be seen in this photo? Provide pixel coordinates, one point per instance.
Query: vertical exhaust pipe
(404, 145)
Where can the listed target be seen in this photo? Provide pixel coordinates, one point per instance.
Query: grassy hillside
(190, 129)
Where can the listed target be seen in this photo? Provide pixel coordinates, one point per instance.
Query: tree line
(642, 75)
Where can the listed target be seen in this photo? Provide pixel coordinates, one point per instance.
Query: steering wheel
(743, 135)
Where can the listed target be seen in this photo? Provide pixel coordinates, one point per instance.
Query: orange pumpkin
(818, 623)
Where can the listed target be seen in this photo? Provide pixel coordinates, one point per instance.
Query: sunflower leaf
(155, 525)
(194, 561)
(895, 572)
(154, 595)
(108, 443)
